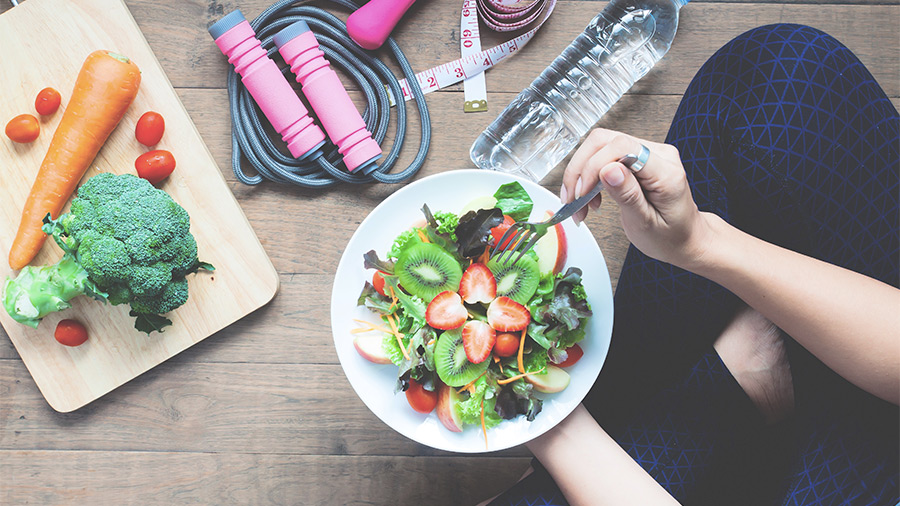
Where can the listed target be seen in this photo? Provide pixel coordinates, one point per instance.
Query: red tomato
(575, 353)
(24, 128)
(498, 231)
(378, 282)
(507, 344)
(70, 333)
(149, 129)
(47, 101)
(154, 166)
(420, 399)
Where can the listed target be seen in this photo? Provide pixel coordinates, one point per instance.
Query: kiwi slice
(450, 360)
(519, 280)
(426, 270)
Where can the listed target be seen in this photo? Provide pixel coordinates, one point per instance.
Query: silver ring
(637, 162)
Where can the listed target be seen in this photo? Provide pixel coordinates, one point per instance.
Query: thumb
(625, 189)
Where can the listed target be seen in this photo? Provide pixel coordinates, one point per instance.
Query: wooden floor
(261, 413)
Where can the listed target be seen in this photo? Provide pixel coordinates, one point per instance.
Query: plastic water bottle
(547, 119)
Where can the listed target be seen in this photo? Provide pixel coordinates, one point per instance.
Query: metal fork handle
(577, 204)
(573, 207)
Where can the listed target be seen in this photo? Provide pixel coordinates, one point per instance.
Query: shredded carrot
(518, 376)
(368, 327)
(471, 385)
(520, 357)
(423, 236)
(483, 426)
(485, 256)
(398, 335)
(393, 298)
(497, 361)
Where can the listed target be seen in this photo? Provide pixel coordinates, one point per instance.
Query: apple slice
(552, 249)
(371, 348)
(553, 381)
(482, 202)
(446, 408)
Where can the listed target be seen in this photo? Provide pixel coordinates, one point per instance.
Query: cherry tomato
(70, 333)
(507, 344)
(24, 128)
(47, 101)
(154, 166)
(498, 231)
(420, 399)
(378, 282)
(575, 353)
(149, 129)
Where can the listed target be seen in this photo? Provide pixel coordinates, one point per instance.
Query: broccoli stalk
(125, 242)
(39, 291)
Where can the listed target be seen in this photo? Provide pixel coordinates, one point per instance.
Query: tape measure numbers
(475, 87)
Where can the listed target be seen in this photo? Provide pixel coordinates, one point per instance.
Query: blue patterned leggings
(787, 136)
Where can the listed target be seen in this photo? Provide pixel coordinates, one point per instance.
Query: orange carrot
(518, 376)
(483, 426)
(520, 356)
(104, 88)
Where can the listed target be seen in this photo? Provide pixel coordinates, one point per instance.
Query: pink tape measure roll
(500, 15)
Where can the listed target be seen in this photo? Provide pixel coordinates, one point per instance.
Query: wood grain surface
(245, 280)
(261, 412)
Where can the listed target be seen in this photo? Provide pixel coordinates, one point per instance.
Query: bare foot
(753, 350)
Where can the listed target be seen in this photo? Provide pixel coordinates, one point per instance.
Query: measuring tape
(475, 87)
(499, 15)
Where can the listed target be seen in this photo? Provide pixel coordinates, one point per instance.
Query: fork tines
(520, 239)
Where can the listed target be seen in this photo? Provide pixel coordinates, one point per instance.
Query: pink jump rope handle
(327, 96)
(371, 25)
(267, 85)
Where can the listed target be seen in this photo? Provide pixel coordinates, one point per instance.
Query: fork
(523, 235)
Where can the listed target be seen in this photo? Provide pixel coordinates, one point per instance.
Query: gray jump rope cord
(250, 139)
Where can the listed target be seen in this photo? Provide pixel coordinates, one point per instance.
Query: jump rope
(319, 165)
(309, 38)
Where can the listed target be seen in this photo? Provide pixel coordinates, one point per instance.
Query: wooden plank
(35, 477)
(429, 37)
(230, 407)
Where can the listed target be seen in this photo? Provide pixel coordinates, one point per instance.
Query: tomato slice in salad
(420, 399)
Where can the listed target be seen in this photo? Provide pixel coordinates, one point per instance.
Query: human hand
(658, 212)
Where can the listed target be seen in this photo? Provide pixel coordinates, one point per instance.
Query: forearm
(591, 468)
(848, 320)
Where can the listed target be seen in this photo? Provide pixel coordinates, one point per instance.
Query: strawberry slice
(507, 315)
(478, 340)
(478, 284)
(446, 311)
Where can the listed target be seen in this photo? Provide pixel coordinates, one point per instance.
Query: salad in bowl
(467, 344)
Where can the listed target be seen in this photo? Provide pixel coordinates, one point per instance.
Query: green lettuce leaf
(406, 239)
(469, 410)
(514, 201)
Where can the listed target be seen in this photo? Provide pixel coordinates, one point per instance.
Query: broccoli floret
(125, 242)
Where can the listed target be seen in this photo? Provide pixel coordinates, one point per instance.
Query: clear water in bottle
(545, 122)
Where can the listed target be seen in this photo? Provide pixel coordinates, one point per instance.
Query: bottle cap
(288, 34)
(230, 20)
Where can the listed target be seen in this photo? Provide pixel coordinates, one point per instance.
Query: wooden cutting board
(43, 43)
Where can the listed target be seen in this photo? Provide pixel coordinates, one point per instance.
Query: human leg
(786, 135)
